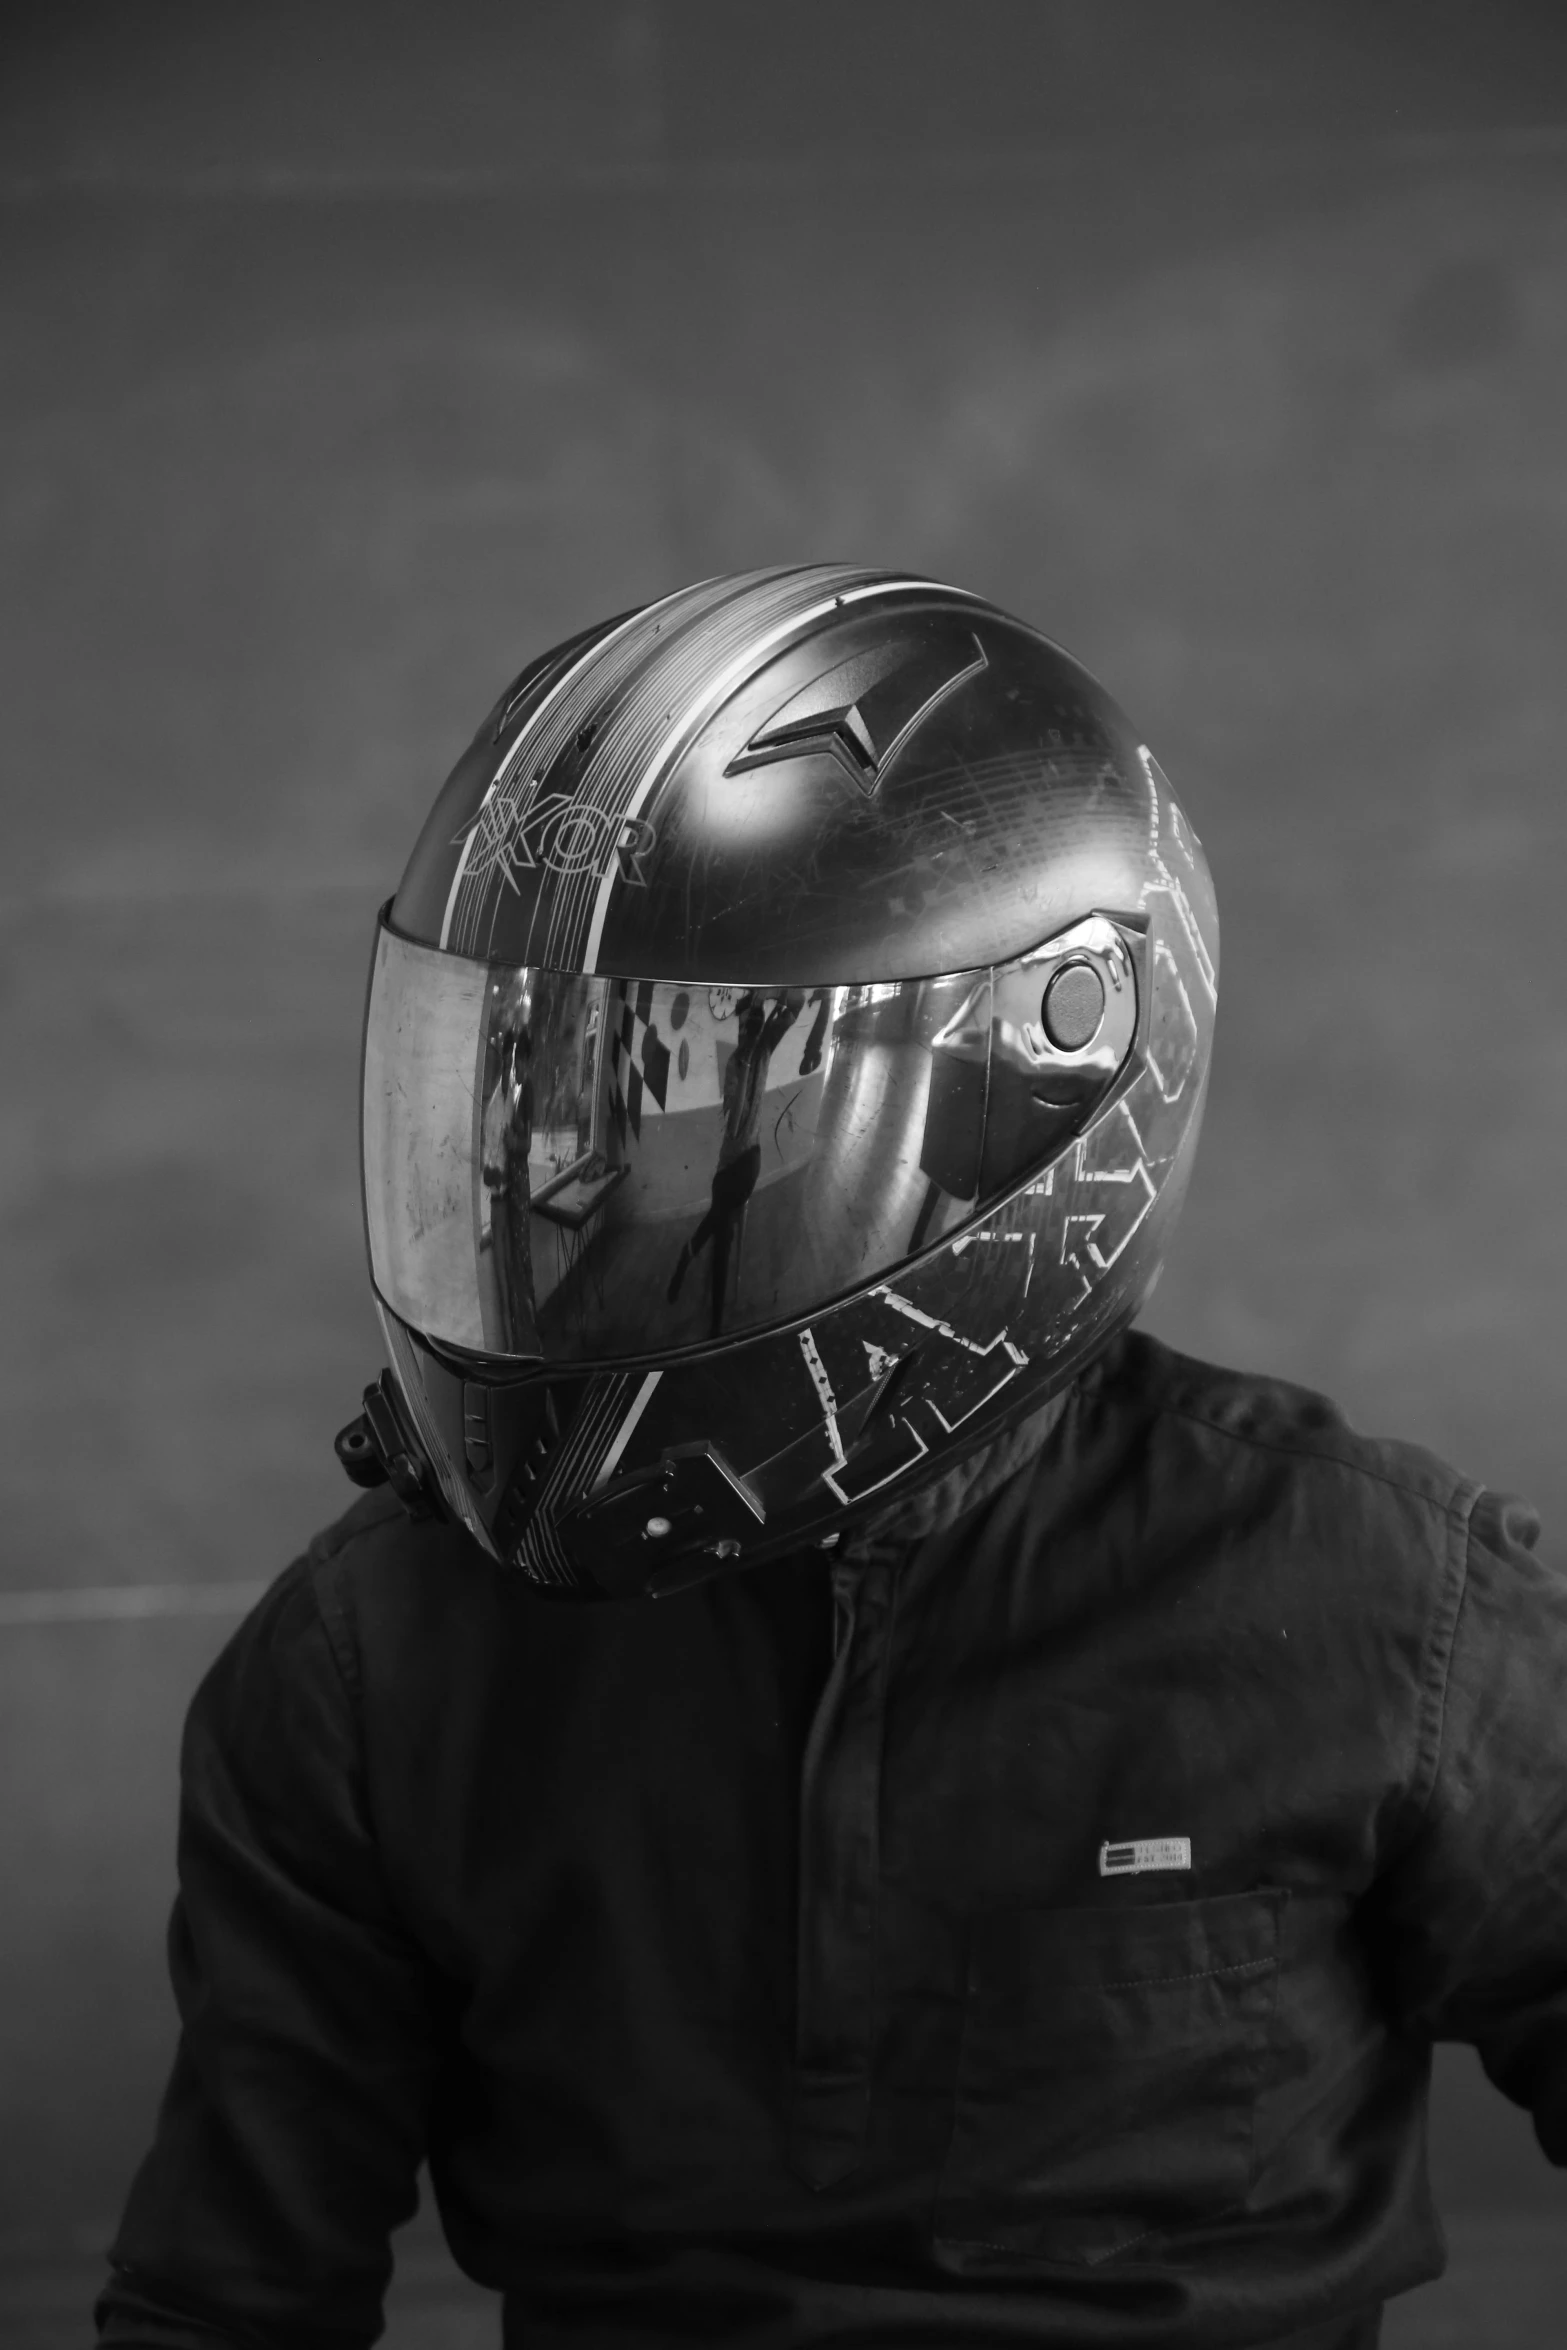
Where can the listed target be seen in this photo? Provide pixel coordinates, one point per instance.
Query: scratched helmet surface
(783, 1062)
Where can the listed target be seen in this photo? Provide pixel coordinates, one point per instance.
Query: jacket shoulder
(376, 1538)
(1246, 1413)
(384, 1581)
(374, 1529)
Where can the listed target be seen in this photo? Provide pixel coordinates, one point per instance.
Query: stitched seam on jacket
(1444, 1641)
(1207, 1974)
(332, 1609)
(1310, 1452)
(324, 1560)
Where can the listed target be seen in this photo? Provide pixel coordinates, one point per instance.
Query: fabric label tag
(1145, 1852)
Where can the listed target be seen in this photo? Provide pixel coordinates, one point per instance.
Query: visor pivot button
(1073, 1007)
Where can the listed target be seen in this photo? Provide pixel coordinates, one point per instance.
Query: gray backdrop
(350, 355)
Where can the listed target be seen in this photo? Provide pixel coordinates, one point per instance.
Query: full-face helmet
(782, 1066)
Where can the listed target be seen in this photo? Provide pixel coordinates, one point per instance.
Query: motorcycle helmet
(782, 1066)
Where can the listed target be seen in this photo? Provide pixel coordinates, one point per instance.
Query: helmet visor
(577, 1169)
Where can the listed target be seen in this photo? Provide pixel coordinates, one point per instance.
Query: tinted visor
(576, 1170)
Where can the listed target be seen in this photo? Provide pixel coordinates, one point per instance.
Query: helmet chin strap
(374, 1449)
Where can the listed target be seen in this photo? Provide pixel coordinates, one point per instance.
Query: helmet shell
(814, 777)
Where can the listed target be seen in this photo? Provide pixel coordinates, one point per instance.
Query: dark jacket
(759, 1966)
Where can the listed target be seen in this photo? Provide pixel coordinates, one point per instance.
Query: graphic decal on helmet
(608, 656)
(1110, 1168)
(1174, 1040)
(1161, 801)
(511, 837)
(824, 1390)
(604, 1420)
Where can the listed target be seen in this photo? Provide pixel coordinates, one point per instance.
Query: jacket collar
(959, 1489)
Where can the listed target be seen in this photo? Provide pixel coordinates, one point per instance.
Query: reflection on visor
(574, 1169)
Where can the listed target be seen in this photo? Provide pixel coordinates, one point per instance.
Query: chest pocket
(1108, 2077)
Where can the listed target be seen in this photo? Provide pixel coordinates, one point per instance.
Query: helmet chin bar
(661, 1528)
(668, 1526)
(688, 1513)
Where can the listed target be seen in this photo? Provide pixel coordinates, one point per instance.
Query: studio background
(352, 354)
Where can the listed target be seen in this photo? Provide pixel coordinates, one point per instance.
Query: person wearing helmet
(1006, 1886)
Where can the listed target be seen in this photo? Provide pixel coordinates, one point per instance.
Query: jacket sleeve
(1475, 1909)
(289, 2140)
